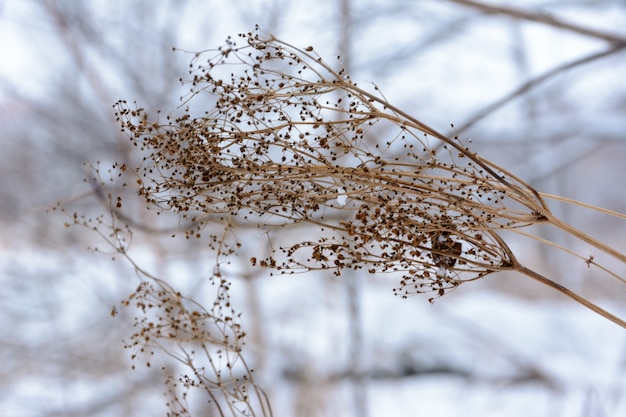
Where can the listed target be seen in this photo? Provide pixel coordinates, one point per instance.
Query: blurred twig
(534, 82)
(543, 18)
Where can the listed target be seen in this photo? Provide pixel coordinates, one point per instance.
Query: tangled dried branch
(207, 342)
(289, 140)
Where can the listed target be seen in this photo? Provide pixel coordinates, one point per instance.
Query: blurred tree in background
(538, 87)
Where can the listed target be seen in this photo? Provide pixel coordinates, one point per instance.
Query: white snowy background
(320, 345)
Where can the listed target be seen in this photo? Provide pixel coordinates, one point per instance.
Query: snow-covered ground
(474, 352)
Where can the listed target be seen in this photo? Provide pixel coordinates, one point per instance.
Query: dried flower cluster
(287, 139)
(207, 342)
(286, 142)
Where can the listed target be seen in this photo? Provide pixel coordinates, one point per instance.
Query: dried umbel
(288, 140)
(207, 342)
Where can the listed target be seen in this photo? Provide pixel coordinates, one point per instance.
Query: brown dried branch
(285, 144)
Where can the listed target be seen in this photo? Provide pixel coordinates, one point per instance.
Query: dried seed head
(290, 140)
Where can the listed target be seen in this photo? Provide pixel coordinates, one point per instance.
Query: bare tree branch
(543, 18)
(534, 82)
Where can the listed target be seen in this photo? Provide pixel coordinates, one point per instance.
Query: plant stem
(586, 238)
(535, 275)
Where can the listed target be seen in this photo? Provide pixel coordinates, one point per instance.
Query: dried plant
(208, 342)
(287, 140)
